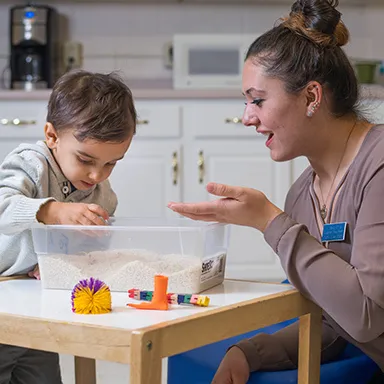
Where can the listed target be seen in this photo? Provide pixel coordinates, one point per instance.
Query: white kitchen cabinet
(221, 149)
(162, 165)
(216, 119)
(158, 119)
(21, 120)
(147, 178)
(181, 145)
(240, 163)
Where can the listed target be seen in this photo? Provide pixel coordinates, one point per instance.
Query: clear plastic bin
(129, 252)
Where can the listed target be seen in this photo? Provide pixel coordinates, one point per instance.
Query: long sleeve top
(30, 177)
(346, 278)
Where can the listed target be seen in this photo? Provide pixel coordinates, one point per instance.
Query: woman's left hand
(35, 273)
(238, 205)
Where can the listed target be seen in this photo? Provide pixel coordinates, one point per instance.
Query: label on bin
(213, 267)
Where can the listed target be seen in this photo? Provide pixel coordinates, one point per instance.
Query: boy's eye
(110, 164)
(84, 161)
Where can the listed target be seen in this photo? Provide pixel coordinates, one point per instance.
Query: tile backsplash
(131, 37)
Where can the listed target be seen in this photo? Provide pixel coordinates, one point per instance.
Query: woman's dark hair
(96, 106)
(306, 46)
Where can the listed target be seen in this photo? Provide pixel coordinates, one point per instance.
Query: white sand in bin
(122, 270)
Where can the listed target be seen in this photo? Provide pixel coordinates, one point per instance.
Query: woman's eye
(258, 102)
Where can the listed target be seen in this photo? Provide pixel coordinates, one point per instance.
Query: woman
(302, 94)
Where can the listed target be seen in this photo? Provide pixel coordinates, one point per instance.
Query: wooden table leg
(85, 370)
(310, 347)
(145, 359)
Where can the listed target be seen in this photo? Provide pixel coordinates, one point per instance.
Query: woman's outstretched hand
(238, 205)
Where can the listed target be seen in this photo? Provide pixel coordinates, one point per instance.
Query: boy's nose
(96, 177)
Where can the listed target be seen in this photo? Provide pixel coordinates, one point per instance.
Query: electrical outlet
(168, 55)
(72, 55)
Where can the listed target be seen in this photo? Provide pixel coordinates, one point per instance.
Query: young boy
(90, 124)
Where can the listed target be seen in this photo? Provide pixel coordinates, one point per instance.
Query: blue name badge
(334, 232)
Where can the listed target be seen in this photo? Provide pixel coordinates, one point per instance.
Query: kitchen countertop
(138, 93)
(159, 91)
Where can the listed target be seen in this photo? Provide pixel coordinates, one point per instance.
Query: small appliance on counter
(33, 47)
(209, 61)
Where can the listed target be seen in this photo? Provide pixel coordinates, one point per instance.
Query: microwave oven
(209, 61)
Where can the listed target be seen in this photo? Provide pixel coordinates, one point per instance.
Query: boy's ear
(50, 135)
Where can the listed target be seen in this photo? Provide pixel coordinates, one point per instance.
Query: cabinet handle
(142, 122)
(17, 122)
(233, 120)
(200, 166)
(175, 168)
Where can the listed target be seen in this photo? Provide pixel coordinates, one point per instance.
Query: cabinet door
(244, 164)
(22, 119)
(147, 179)
(157, 119)
(216, 119)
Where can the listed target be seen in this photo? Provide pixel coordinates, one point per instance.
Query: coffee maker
(33, 50)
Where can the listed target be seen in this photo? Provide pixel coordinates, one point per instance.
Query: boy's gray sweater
(29, 177)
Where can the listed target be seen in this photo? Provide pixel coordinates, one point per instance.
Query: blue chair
(199, 365)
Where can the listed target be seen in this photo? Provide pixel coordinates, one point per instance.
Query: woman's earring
(312, 111)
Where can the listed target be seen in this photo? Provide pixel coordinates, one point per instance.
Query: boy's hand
(55, 212)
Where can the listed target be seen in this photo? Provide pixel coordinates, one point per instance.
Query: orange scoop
(159, 300)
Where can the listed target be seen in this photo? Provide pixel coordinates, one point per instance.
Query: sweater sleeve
(20, 176)
(351, 293)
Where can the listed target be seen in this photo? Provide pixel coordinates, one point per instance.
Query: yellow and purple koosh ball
(91, 297)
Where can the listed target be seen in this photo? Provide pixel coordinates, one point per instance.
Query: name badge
(334, 232)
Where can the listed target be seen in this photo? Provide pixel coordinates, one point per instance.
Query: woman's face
(278, 115)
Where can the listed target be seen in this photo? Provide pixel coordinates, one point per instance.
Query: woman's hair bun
(319, 21)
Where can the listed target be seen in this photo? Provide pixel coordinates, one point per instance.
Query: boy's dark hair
(306, 47)
(96, 106)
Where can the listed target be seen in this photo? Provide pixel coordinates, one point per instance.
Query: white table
(42, 319)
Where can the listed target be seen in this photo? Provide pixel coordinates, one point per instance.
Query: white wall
(130, 37)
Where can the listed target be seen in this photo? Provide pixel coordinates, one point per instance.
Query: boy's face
(84, 163)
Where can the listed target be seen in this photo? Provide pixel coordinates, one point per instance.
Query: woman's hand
(233, 369)
(240, 206)
(35, 273)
